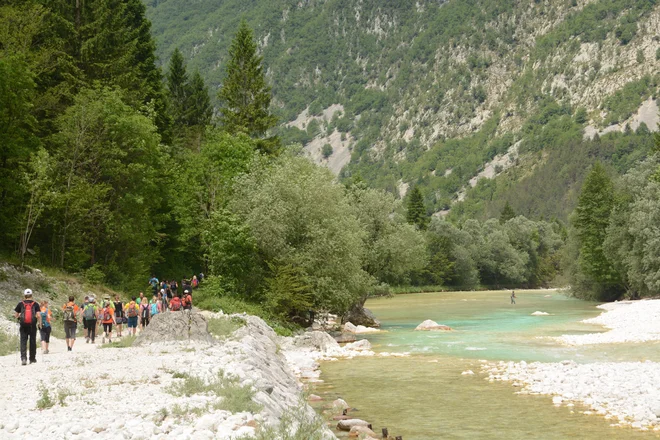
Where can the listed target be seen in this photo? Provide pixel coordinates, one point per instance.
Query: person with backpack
(195, 283)
(154, 283)
(28, 316)
(90, 317)
(119, 314)
(155, 305)
(145, 313)
(175, 304)
(132, 312)
(107, 319)
(186, 302)
(45, 327)
(70, 317)
(82, 307)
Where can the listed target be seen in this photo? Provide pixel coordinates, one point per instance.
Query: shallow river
(424, 396)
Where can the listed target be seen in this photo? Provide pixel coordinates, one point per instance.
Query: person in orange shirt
(107, 316)
(45, 328)
(70, 317)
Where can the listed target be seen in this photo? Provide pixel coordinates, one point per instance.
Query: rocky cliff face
(382, 83)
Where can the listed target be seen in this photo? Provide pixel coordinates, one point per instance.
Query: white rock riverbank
(123, 393)
(626, 393)
(627, 321)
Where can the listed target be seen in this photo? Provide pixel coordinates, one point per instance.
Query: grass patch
(206, 299)
(8, 343)
(125, 342)
(305, 427)
(232, 396)
(44, 401)
(223, 327)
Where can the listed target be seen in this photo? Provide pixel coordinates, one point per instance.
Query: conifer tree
(591, 219)
(200, 111)
(177, 86)
(416, 210)
(507, 213)
(245, 95)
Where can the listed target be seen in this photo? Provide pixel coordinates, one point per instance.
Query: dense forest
(116, 169)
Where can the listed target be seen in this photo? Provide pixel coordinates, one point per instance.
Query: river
(424, 396)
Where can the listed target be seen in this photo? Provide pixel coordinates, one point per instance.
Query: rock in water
(362, 316)
(349, 327)
(343, 338)
(175, 326)
(346, 425)
(360, 430)
(432, 325)
(537, 313)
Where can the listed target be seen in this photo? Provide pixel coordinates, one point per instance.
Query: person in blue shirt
(154, 283)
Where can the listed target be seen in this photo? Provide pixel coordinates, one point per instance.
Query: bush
(326, 151)
(233, 396)
(223, 327)
(94, 275)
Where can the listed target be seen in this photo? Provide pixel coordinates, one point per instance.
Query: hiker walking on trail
(145, 313)
(70, 318)
(90, 317)
(27, 313)
(45, 328)
(107, 319)
(132, 312)
(119, 314)
(186, 302)
(175, 304)
(155, 305)
(154, 283)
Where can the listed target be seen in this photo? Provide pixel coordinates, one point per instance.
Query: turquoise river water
(424, 396)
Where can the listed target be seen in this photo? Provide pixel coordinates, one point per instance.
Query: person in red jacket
(28, 314)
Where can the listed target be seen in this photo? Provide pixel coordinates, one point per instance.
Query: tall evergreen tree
(507, 213)
(591, 219)
(177, 86)
(200, 110)
(245, 95)
(416, 210)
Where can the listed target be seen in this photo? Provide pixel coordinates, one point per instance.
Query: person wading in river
(513, 297)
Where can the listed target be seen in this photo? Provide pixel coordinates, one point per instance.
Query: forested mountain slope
(431, 92)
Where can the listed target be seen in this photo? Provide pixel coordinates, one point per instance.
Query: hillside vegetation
(429, 92)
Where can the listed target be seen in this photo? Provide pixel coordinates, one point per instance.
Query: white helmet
(27, 292)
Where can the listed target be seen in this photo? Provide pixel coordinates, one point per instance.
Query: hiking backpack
(107, 314)
(44, 318)
(175, 304)
(27, 315)
(89, 312)
(154, 308)
(131, 312)
(69, 313)
(145, 312)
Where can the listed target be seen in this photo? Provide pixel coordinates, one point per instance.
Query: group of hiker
(33, 316)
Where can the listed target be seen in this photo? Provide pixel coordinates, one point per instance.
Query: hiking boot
(103, 340)
(86, 340)
(110, 341)
(68, 348)
(46, 351)
(23, 361)
(33, 361)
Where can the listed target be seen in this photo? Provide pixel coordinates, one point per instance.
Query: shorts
(45, 334)
(70, 329)
(107, 328)
(132, 322)
(119, 320)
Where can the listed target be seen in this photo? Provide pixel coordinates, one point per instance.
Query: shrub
(326, 151)
(44, 401)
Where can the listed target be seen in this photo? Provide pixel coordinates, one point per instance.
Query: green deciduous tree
(245, 95)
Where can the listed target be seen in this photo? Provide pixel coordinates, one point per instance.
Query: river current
(424, 396)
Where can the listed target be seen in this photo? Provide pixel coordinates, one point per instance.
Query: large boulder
(359, 315)
(430, 325)
(175, 326)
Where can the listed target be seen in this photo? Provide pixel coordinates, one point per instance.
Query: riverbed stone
(346, 425)
(430, 325)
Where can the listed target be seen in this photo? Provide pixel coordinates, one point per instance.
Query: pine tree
(507, 213)
(416, 210)
(591, 219)
(245, 95)
(200, 111)
(177, 87)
